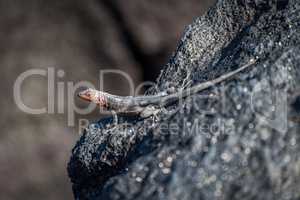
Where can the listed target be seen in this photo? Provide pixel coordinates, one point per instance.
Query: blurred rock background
(80, 38)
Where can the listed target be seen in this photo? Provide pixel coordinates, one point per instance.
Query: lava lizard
(146, 106)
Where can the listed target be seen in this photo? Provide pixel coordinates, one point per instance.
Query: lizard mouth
(83, 96)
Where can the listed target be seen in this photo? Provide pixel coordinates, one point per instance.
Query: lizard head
(94, 96)
(87, 94)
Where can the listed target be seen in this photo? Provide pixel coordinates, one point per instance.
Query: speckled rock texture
(241, 142)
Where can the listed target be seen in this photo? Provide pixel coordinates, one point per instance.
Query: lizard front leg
(149, 111)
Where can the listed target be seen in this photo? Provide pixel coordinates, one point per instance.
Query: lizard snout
(85, 95)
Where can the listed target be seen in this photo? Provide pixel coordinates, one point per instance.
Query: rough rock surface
(244, 144)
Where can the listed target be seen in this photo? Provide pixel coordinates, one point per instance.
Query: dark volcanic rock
(244, 144)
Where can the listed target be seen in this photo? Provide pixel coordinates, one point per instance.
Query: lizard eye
(88, 94)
